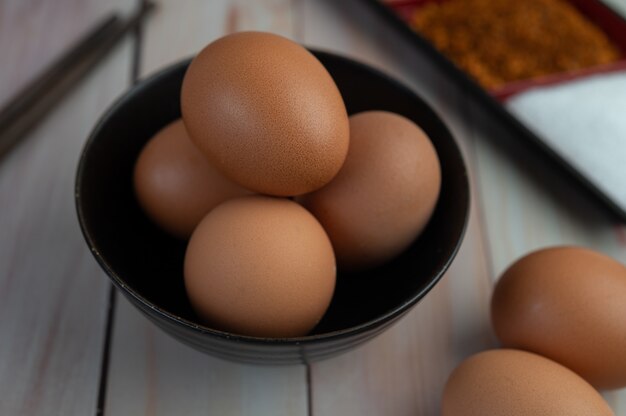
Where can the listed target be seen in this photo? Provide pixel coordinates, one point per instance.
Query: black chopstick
(30, 105)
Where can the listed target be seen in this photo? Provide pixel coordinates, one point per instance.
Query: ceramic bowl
(145, 264)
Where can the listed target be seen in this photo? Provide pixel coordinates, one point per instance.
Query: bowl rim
(200, 329)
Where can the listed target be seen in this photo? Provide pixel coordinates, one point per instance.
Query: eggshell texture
(260, 266)
(266, 113)
(384, 194)
(568, 304)
(175, 184)
(517, 383)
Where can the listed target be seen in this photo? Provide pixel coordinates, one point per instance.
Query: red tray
(398, 14)
(595, 11)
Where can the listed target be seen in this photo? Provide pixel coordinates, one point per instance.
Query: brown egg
(266, 112)
(517, 383)
(175, 185)
(260, 266)
(384, 194)
(568, 304)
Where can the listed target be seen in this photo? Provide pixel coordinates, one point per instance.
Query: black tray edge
(493, 105)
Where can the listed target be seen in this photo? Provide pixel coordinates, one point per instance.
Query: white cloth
(585, 122)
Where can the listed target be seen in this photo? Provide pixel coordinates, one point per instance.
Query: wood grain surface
(53, 298)
(52, 294)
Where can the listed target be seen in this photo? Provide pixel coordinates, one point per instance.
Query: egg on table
(567, 304)
(508, 382)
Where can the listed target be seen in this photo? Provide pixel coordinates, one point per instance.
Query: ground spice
(499, 41)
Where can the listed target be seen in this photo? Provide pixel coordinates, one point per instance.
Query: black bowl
(146, 264)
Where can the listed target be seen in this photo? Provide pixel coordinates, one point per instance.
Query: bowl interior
(147, 264)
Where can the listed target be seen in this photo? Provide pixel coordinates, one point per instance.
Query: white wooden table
(56, 357)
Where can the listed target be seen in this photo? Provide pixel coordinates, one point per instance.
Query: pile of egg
(276, 187)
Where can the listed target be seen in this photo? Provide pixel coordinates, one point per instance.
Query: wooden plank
(52, 293)
(167, 40)
(154, 374)
(403, 371)
(33, 35)
(150, 373)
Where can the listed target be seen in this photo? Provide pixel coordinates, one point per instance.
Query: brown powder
(499, 41)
